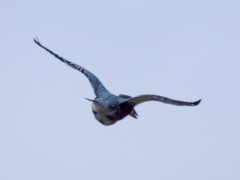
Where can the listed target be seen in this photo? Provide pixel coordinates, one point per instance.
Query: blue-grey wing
(143, 98)
(124, 96)
(97, 86)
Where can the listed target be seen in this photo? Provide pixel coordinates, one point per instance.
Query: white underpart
(102, 114)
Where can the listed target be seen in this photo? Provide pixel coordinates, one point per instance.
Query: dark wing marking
(97, 86)
(143, 98)
(134, 113)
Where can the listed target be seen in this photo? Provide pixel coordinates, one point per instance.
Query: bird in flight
(109, 108)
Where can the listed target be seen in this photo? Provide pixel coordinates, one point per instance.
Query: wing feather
(144, 98)
(97, 85)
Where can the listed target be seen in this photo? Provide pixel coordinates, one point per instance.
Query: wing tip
(197, 102)
(35, 39)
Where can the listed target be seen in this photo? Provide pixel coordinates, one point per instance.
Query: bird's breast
(103, 115)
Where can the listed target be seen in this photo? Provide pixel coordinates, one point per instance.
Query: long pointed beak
(89, 99)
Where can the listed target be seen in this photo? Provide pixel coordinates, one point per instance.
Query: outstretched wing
(143, 98)
(97, 86)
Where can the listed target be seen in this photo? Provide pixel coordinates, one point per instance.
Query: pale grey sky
(184, 50)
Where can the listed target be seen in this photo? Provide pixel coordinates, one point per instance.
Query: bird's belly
(103, 115)
(103, 119)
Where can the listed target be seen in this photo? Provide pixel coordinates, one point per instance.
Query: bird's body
(109, 108)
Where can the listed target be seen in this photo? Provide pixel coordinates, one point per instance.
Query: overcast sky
(184, 50)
